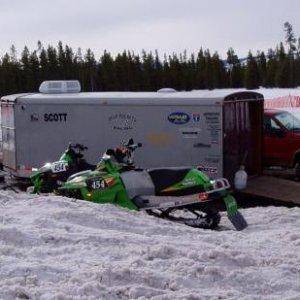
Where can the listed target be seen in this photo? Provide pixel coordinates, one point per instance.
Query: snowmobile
(184, 195)
(50, 176)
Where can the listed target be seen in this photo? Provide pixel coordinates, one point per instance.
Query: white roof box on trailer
(60, 87)
(167, 90)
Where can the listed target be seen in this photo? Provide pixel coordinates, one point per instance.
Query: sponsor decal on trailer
(201, 145)
(207, 169)
(213, 123)
(179, 118)
(212, 117)
(34, 117)
(50, 117)
(196, 117)
(55, 117)
(122, 121)
(190, 132)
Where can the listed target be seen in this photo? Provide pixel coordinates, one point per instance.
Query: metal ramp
(274, 188)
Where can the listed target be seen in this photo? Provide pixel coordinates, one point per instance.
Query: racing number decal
(98, 184)
(59, 167)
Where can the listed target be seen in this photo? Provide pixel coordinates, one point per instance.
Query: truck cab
(281, 139)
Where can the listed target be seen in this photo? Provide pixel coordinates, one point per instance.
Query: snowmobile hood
(75, 183)
(81, 174)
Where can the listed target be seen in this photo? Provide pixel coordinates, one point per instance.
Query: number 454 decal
(101, 184)
(58, 167)
(98, 184)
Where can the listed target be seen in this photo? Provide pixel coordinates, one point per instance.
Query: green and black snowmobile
(184, 195)
(50, 176)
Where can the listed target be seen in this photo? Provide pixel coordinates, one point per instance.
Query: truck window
(289, 121)
(270, 125)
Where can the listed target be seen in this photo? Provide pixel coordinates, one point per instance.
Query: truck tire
(297, 165)
(297, 169)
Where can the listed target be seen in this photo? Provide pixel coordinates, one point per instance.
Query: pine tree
(297, 64)
(35, 71)
(69, 63)
(218, 72)
(208, 71)
(290, 37)
(90, 71)
(107, 80)
(283, 74)
(235, 70)
(191, 73)
(272, 66)
(166, 72)
(158, 80)
(27, 76)
(148, 70)
(262, 68)
(121, 68)
(11, 74)
(13, 54)
(175, 72)
(78, 64)
(200, 70)
(61, 60)
(54, 69)
(138, 70)
(252, 73)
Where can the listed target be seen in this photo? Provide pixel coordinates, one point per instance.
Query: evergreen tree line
(127, 71)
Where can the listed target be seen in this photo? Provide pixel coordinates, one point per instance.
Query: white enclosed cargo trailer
(215, 131)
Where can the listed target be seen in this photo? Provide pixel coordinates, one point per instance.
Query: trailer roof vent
(167, 90)
(60, 86)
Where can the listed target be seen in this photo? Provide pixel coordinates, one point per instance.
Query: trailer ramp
(273, 188)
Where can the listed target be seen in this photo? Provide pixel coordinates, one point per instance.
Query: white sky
(166, 25)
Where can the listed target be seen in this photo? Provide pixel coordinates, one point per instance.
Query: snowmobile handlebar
(130, 145)
(125, 153)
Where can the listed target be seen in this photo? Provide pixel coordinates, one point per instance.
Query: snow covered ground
(56, 248)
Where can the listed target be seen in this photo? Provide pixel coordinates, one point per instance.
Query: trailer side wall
(172, 135)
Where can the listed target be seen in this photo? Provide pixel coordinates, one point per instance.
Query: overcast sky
(166, 25)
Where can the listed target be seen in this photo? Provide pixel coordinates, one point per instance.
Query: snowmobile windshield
(109, 164)
(289, 121)
(45, 168)
(68, 157)
(101, 165)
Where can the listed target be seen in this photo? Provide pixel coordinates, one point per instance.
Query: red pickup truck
(281, 139)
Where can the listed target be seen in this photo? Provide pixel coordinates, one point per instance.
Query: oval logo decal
(179, 118)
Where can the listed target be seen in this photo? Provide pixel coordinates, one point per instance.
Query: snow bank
(55, 248)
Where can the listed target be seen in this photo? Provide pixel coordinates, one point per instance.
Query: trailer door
(243, 134)
(8, 135)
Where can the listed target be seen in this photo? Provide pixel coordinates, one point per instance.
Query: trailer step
(273, 188)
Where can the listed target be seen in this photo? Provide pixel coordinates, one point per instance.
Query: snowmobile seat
(137, 183)
(164, 178)
(84, 165)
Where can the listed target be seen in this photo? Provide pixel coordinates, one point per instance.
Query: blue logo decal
(196, 117)
(179, 118)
